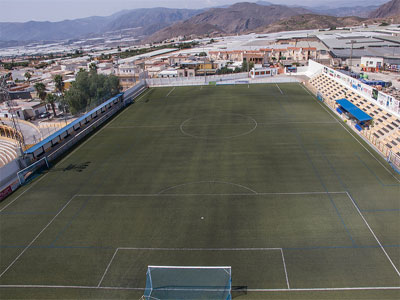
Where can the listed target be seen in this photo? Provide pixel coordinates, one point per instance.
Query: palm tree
(28, 76)
(58, 80)
(41, 91)
(51, 99)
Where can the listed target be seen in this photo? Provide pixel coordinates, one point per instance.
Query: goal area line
(235, 290)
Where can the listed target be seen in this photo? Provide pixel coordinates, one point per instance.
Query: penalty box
(246, 231)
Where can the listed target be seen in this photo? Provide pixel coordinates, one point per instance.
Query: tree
(51, 99)
(59, 83)
(202, 54)
(93, 67)
(40, 90)
(28, 76)
(90, 89)
(244, 66)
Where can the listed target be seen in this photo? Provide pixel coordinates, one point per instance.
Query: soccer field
(262, 178)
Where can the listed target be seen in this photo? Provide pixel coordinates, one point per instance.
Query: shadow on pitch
(238, 291)
(73, 167)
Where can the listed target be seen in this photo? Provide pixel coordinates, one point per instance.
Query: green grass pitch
(262, 178)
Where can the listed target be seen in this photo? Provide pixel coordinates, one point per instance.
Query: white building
(371, 62)
(171, 73)
(262, 72)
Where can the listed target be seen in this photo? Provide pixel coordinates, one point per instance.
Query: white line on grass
(248, 290)
(398, 180)
(141, 96)
(279, 88)
(68, 287)
(170, 92)
(326, 289)
(284, 266)
(37, 236)
(108, 266)
(370, 229)
(210, 181)
(185, 195)
(201, 249)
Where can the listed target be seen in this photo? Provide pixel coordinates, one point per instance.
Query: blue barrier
(358, 127)
(339, 111)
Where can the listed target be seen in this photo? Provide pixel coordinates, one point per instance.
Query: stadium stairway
(385, 131)
(8, 151)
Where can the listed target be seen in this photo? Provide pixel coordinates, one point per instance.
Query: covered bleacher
(73, 128)
(384, 132)
(361, 118)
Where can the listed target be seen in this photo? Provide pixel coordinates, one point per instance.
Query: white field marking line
(200, 249)
(62, 160)
(326, 289)
(189, 267)
(68, 287)
(37, 236)
(281, 123)
(376, 238)
(142, 126)
(398, 180)
(142, 95)
(185, 195)
(170, 92)
(279, 88)
(108, 266)
(211, 181)
(284, 266)
(249, 290)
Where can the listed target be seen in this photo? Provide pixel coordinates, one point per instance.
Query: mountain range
(145, 21)
(389, 9)
(156, 24)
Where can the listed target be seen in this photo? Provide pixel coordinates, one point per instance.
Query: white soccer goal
(35, 168)
(174, 282)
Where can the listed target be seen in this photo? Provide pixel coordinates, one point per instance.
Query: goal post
(29, 172)
(175, 282)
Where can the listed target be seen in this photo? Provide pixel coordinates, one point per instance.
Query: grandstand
(8, 151)
(384, 132)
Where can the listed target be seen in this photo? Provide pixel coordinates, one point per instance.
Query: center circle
(218, 126)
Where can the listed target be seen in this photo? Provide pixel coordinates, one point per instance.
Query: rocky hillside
(357, 11)
(311, 21)
(238, 18)
(389, 9)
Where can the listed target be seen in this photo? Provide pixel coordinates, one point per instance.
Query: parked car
(44, 115)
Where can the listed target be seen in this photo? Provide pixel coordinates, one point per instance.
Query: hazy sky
(56, 10)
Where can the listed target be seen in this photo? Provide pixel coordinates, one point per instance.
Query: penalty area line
(248, 290)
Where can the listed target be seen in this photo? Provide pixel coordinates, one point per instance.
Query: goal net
(168, 282)
(33, 170)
